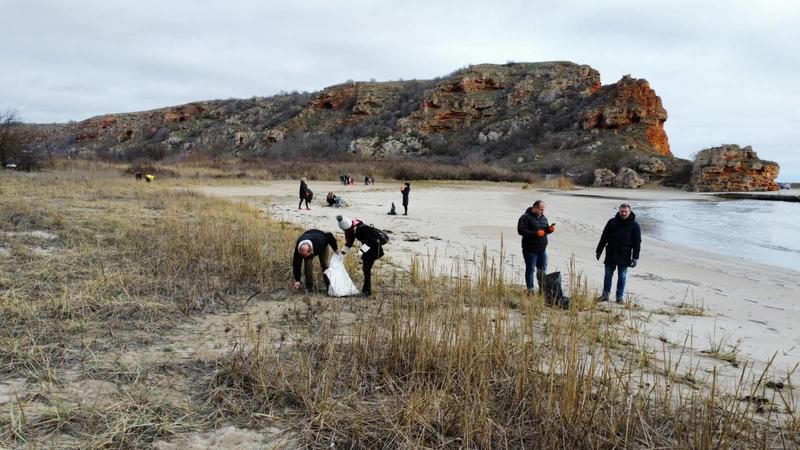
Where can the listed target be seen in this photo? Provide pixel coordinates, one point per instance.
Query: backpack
(381, 236)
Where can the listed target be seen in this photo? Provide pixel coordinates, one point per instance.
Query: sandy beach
(745, 303)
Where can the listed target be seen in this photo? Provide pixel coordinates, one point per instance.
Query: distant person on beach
(534, 228)
(366, 180)
(622, 240)
(372, 241)
(335, 200)
(310, 244)
(405, 190)
(305, 193)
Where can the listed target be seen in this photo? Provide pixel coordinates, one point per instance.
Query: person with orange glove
(534, 228)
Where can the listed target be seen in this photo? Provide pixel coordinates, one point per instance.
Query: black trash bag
(392, 211)
(553, 294)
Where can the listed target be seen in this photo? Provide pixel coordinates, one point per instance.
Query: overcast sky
(726, 71)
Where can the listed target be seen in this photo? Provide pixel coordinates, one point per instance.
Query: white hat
(344, 222)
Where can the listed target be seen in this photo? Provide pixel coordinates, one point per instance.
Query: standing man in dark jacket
(622, 240)
(405, 190)
(310, 244)
(370, 251)
(304, 193)
(533, 228)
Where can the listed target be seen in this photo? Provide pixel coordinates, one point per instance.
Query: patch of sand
(227, 438)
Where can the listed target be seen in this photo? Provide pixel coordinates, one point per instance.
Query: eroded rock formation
(626, 178)
(729, 168)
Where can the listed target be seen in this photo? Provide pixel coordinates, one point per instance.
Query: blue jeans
(622, 274)
(534, 261)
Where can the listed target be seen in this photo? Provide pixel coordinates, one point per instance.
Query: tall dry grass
(92, 264)
(467, 361)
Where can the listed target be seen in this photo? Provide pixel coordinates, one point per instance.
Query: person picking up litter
(372, 241)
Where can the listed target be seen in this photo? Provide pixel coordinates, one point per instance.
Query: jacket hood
(632, 216)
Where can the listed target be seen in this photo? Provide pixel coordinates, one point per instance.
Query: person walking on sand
(304, 193)
(405, 190)
(371, 248)
(310, 244)
(534, 228)
(622, 240)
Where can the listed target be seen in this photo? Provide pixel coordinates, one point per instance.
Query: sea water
(766, 232)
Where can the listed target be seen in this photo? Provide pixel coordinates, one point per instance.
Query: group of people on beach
(620, 240)
(345, 180)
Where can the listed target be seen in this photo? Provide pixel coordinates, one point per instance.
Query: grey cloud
(725, 70)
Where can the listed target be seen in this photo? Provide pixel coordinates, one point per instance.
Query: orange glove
(539, 233)
(551, 228)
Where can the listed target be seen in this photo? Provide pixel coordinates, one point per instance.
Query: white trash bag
(341, 284)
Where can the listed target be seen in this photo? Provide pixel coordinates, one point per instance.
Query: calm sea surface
(767, 232)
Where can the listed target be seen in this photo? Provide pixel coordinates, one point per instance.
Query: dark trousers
(405, 208)
(324, 259)
(301, 203)
(622, 276)
(535, 264)
(367, 262)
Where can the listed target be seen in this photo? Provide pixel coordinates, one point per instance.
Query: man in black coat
(622, 240)
(533, 228)
(405, 190)
(370, 251)
(304, 193)
(310, 244)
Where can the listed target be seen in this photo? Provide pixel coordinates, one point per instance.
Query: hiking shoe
(602, 298)
(619, 301)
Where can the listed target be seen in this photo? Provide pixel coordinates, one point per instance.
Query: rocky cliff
(550, 117)
(729, 168)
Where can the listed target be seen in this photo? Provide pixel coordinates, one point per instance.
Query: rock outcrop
(626, 178)
(604, 177)
(729, 168)
(549, 117)
(627, 103)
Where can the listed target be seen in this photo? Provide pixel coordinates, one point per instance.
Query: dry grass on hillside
(100, 276)
(229, 170)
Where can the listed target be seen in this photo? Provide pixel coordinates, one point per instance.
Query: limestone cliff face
(733, 169)
(630, 103)
(550, 117)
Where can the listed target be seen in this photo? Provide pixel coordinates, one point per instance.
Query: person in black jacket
(533, 228)
(310, 244)
(622, 240)
(369, 252)
(304, 193)
(405, 190)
